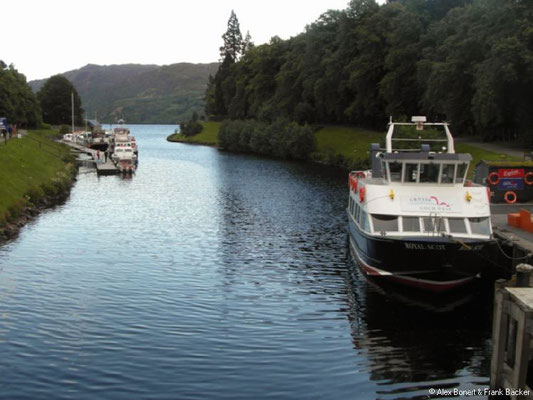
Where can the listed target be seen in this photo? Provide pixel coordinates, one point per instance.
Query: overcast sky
(46, 37)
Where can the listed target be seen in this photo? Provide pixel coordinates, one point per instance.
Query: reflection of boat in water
(413, 341)
(415, 219)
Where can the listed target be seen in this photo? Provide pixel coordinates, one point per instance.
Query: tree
(55, 100)
(233, 43)
(17, 102)
(247, 45)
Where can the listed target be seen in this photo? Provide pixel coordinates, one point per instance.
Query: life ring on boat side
(362, 194)
(510, 197)
(528, 178)
(492, 181)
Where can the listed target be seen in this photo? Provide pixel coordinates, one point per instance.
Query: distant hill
(140, 93)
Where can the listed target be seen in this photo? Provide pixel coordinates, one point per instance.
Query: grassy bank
(346, 147)
(208, 136)
(481, 154)
(342, 146)
(32, 169)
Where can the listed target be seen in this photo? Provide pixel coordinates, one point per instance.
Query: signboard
(429, 203)
(511, 173)
(3, 123)
(511, 184)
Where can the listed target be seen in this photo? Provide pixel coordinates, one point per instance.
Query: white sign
(429, 203)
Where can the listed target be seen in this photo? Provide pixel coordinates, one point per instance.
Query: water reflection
(214, 275)
(414, 342)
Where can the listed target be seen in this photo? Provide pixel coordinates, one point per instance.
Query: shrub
(281, 138)
(64, 129)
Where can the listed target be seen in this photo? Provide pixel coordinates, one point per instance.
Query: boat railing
(419, 122)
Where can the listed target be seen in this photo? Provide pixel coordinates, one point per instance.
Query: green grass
(208, 136)
(345, 146)
(480, 154)
(30, 168)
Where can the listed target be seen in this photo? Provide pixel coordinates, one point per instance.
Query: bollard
(523, 273)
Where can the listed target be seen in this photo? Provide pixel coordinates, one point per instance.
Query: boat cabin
(423, 168)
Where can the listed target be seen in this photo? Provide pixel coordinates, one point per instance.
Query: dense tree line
(280, 138)
(17, 102)
(467, 61)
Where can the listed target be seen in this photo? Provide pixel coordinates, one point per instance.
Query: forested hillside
(140, 93)
(467, 61)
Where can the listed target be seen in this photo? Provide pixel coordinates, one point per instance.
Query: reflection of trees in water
(416, 337)
(281, 215)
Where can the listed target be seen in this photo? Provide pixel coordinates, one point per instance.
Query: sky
(46, 37)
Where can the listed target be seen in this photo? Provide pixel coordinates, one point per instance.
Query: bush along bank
(281, 138)
(36, 174)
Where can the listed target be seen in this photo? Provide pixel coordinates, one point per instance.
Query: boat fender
(362, 194)
(528, 178)
(510, 197)
(493, 178)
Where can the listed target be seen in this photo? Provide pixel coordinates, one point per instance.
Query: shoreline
(11, 229)
(347, 147)
(39, 174)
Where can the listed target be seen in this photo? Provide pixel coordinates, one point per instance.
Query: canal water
(210, 275)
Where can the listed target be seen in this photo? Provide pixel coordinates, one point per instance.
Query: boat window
(411, 172)
(429, 173)
(411, 224)
(448, 171)
(434, 224)
(457, 225)
(461, 172)
(384, 170)
(387, 223)
(357, 212)
(395, 169)
(480, 226)
(365, 225)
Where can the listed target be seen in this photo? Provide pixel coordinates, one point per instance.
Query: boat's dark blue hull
(435, 263)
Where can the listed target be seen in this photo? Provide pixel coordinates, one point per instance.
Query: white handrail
(449, 138)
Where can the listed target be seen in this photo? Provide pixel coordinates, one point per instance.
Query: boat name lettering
(429, 203)
(424, 246)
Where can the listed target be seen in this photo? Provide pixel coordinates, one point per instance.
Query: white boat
(415, 219)
(124, 150)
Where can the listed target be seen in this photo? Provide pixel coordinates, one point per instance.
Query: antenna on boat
(419, 122)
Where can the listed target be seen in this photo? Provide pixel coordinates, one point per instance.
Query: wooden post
(499, 337)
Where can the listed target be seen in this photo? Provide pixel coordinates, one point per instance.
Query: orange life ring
(493, 181)
(362, 195)
(510, 197)
(528, 178)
